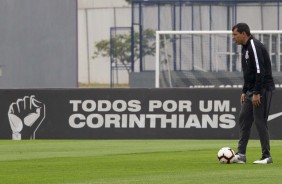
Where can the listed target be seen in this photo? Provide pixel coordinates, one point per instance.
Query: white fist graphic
(25, 117)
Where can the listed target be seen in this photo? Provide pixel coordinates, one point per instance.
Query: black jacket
(256, 67)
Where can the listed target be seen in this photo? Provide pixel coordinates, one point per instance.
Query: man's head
(241, 33)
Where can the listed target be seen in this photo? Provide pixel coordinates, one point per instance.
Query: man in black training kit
(256, 94)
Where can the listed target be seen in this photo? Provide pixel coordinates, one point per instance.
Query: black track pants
(258, 115)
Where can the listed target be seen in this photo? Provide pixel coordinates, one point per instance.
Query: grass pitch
(132, 162)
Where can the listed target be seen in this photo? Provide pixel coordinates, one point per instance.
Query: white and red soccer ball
(226, 155)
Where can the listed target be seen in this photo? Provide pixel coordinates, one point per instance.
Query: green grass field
(132, 162)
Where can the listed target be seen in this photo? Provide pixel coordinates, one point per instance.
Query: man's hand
(25, 116)
(256, 100)
(242, 99)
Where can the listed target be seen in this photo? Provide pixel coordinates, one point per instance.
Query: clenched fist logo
(25, 116)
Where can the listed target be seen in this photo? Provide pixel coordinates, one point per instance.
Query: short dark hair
(242, 27)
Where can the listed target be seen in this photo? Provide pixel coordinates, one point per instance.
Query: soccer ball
(226, 155)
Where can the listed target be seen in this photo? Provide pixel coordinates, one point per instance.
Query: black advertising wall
(126, 114)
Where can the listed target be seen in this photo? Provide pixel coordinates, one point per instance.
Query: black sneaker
(267, 160)
(240, 158)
